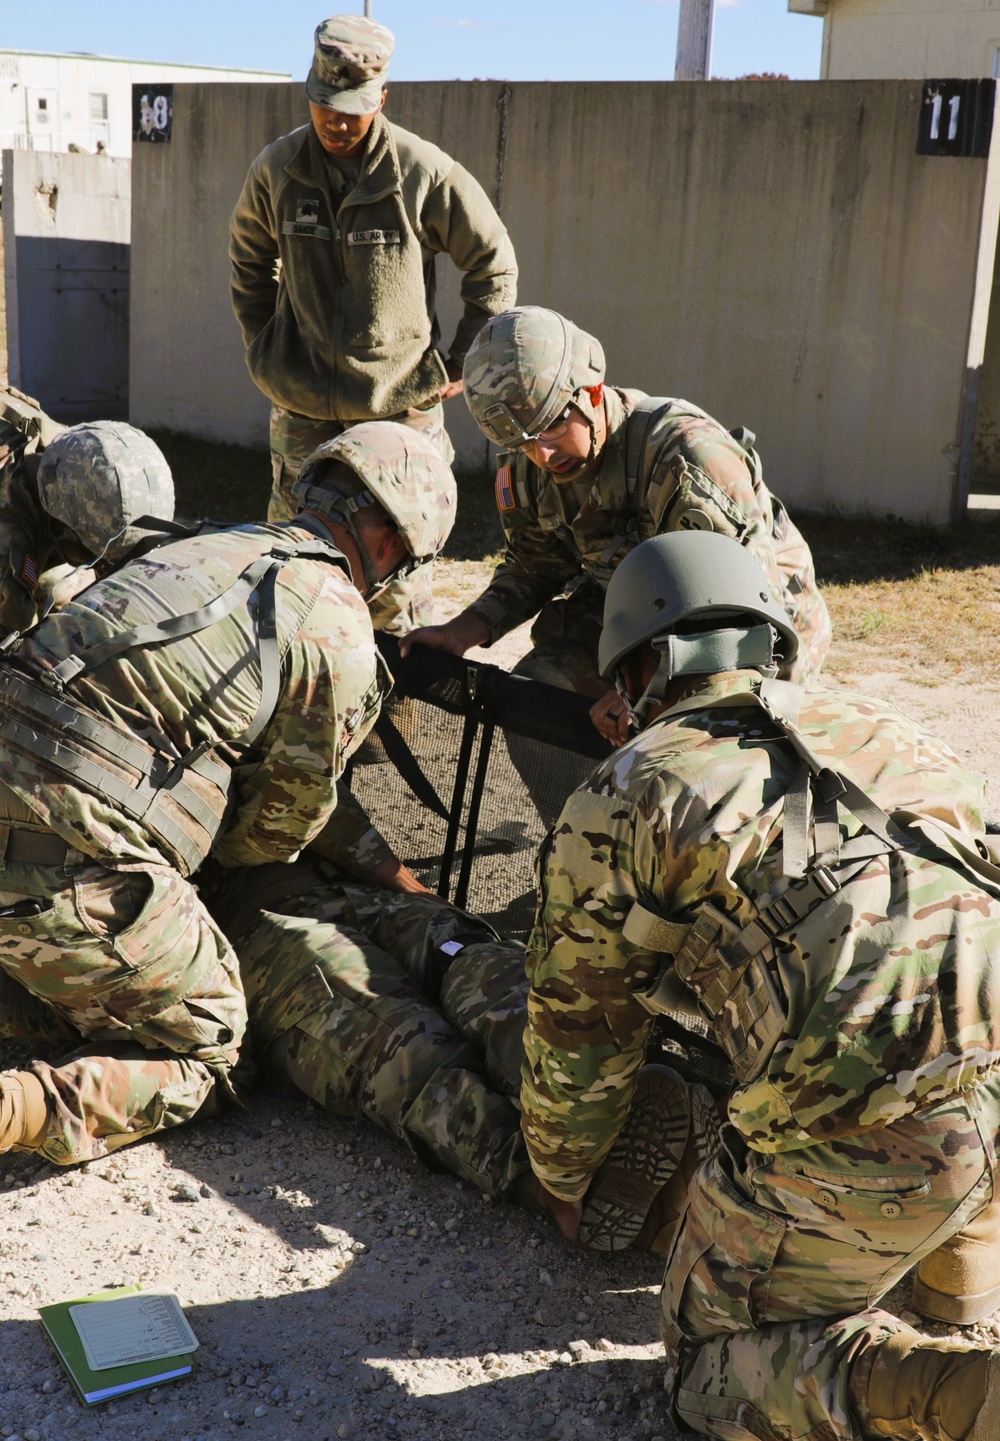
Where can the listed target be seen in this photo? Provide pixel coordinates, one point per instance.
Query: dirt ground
(337, 1288)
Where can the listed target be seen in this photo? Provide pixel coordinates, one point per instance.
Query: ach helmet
(705, 604)
(401, 470)
(523, 369)
(99, 480)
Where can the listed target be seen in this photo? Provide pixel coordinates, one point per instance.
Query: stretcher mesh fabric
(501, 754)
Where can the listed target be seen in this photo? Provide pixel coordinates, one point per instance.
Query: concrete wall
(884, 39)
(66, 221)
(776, 252)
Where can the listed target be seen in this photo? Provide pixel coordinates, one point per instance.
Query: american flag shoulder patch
(505, 490)
(29, 571)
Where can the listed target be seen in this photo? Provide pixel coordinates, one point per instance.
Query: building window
(43, 109)
(98, 106)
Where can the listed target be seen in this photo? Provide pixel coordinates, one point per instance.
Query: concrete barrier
(777, 252)
(66, 222)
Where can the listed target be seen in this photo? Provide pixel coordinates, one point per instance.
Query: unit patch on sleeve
(373, 237)
(505, 490)
(306, 221)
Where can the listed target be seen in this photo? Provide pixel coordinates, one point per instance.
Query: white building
(907, 39)
(50, 101)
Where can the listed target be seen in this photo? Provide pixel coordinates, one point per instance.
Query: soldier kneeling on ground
(808, 870)
(202, 699)
(73, 502)
(587, 472)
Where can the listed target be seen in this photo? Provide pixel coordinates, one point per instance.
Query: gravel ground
(337, 1288)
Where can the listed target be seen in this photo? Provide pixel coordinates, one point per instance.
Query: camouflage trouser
(131, 962)
(564, 641)
(770, 1315)
(351, 998)
(406, 603)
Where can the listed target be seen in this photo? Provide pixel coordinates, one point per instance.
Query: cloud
(462, 24)
(729, 4)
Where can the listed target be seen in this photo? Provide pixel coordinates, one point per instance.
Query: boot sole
(640, 1163)
(954, 1310)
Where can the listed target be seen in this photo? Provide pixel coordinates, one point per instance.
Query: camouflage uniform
(108, 932)
(26, 544)
(865, 1037)
(350, 332)
(571, 535)
(352, 999)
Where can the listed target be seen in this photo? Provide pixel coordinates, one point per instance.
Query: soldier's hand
(611, 718)
(455, 636)
(455, 384)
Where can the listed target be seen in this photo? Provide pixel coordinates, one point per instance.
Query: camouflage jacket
(348, 332)
(696, 476)
(883, 999)
(205, 688)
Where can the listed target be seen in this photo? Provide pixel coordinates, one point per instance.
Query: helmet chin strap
(704, 653)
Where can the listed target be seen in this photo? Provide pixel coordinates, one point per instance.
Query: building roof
(125, 60)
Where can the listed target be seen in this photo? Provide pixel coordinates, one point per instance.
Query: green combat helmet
(695, 595)
(101, 481)
(523, 369)
(399, 469)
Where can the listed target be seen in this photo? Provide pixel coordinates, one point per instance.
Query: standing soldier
(133, 744)
(809, 871)
(355, 209)
(72, 503)
(590, 471)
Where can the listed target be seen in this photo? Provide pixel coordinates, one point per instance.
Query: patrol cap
(677, 578)
(400, 469)
(99, 479)
(350, 64)
(523, 369)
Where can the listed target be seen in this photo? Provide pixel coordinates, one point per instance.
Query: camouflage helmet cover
(401, 469)
(681, 577)
(523, 369)
(98, 479)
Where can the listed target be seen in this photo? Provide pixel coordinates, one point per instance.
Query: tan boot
(924, 1390)
(24, 1111)
(670, 1127)
(959, 1283)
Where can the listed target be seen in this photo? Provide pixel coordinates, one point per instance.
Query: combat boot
(959, 1283)
(24, 1111)
(671, 1127)
(924, 1390)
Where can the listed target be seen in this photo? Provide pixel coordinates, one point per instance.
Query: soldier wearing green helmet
(806, 871)
(588, 471)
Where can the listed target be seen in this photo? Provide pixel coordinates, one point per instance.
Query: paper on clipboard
(144, 1327)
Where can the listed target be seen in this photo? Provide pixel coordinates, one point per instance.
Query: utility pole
(694, 40)
(368, 8)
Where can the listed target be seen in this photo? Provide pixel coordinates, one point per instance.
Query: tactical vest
(183, 803)
(719, 970)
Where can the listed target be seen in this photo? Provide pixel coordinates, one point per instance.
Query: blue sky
(436, 39)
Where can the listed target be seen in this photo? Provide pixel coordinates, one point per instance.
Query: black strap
(406, 764)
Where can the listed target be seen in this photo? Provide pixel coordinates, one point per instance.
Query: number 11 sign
(956, 117)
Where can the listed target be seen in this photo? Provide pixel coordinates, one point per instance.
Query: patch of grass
(230, 483)
(916, 599)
